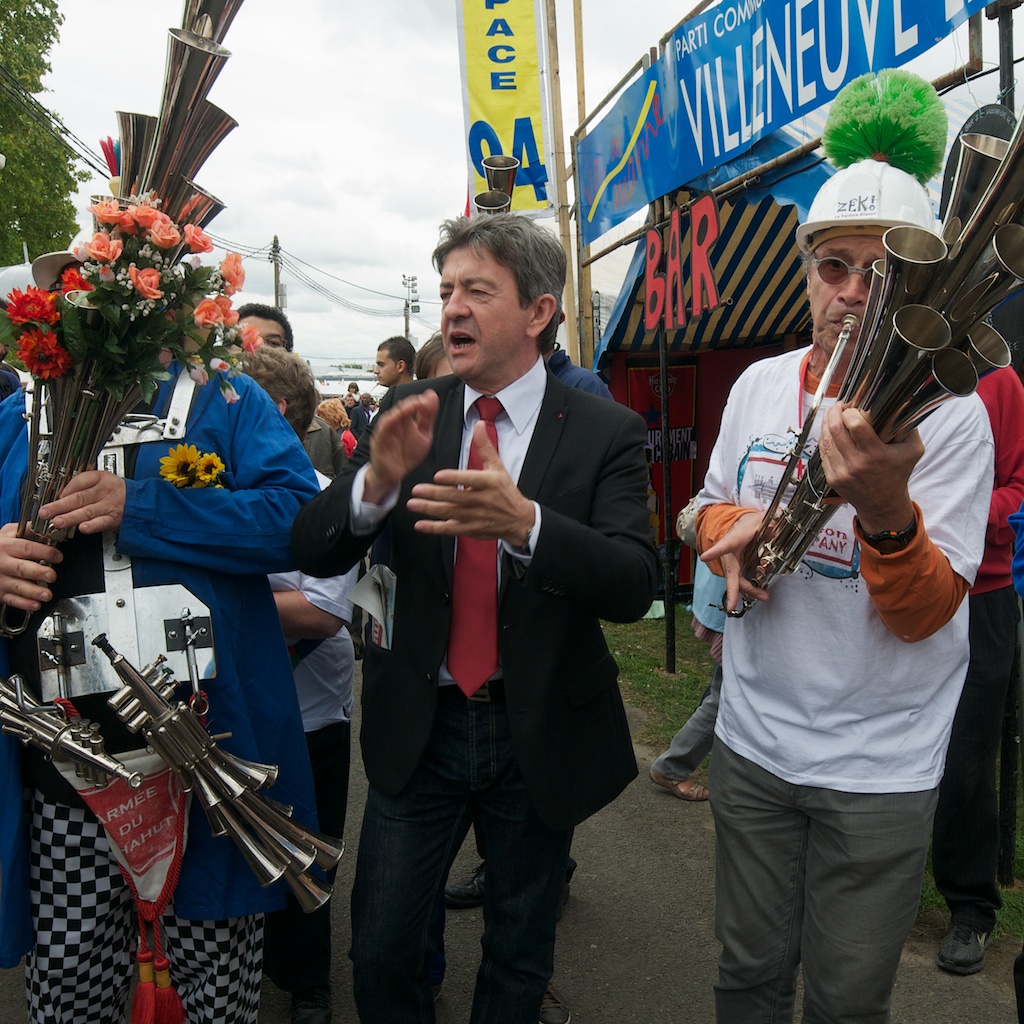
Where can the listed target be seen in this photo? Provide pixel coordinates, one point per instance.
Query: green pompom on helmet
(895, 116)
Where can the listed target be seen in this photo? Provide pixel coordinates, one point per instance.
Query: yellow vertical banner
(502, 50)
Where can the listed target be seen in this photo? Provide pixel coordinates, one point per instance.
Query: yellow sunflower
(179, 465)
(208, 469)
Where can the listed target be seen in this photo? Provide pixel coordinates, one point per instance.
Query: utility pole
(412, 299)
(275, 258)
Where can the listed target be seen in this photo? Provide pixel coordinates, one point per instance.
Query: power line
(50, 122)
(294, 264)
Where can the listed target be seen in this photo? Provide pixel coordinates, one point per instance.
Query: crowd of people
(853, 709)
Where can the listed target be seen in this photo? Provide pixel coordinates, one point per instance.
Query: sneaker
(467, 894)
(553, 1009)
(962, 951)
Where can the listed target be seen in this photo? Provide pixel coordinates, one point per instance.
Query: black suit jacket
(594, 560)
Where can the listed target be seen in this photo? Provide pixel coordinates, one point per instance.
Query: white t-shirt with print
(816, 689)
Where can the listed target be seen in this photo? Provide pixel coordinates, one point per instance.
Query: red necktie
(473, 639)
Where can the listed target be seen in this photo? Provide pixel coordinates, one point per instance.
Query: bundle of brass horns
(227, 787)
(500, 175)
(62, 739)
(924, 336)
(163, 154)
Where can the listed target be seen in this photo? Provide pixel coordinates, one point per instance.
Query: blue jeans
(406, 848)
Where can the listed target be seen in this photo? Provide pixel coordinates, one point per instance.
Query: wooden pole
(585, 352)
(558, 159)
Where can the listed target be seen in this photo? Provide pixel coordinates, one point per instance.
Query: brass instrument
(226, 786)
(923, 338)
(70, 418)
(500, 174)
(60, 737)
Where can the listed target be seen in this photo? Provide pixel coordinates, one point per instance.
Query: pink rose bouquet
(138, 298)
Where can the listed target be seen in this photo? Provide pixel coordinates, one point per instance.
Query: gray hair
(532, 254)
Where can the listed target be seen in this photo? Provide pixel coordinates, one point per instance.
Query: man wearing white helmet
(840, 688)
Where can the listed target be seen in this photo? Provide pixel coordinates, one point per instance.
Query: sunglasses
(833, 270)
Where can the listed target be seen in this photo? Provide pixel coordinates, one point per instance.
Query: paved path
(636, 942)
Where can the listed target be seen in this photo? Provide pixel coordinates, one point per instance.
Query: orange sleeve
(713, 523)
(915, 591)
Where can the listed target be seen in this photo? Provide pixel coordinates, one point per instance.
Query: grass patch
(640, 649)
(669, 700)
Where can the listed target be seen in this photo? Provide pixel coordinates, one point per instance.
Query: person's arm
(914, 591)
(325, 540)
(301, 620)
(245, 525)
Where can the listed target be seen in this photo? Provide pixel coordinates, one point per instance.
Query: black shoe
(468, 894)
(962, 951)
(553, 1009)
(312, 1005)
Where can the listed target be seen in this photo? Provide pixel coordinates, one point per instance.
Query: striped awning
(761, 282)
(760, 286)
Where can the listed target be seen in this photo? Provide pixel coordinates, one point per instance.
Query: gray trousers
(814, 876)
(692, 743)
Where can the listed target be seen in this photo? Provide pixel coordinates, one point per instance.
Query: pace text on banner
(732, 75)
(504, 99)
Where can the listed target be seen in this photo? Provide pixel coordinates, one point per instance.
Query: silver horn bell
(227, 787)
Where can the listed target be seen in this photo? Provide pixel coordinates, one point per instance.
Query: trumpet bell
(987, 348)
(500, 173)
(311, 892)
(137, 132)
(995, 276)
(492, 201)
(193, 64)
(210, 19)
(977, 164)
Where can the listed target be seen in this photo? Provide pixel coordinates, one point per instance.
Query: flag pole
(561, 193)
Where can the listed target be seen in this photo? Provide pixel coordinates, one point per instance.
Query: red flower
(72, 281)
(32, 304)
(42, 354)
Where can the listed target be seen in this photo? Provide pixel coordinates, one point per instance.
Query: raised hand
(482, 503)
(400, 441)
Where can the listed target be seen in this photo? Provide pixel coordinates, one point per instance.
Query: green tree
(39, 180)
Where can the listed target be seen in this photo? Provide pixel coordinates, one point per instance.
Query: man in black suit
(522, 727)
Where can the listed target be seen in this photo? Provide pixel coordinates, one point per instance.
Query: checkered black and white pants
(81, 968)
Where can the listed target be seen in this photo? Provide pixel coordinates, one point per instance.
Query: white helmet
(866, 195)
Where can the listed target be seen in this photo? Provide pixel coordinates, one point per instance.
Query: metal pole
(667, 570)
(275, 258)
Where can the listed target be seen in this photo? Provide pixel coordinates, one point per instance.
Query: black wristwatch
(888, 542)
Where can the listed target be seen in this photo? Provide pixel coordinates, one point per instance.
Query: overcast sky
(350, 145)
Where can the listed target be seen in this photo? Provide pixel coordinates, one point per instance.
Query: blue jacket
(573, 376)
(220, 544)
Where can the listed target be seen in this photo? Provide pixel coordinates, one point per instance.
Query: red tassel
(144, 1003)
(167, 1007)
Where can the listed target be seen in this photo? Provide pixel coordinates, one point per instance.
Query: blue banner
(733, 74)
